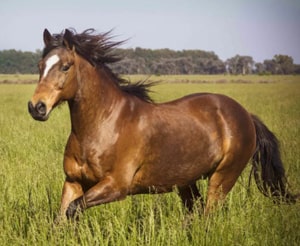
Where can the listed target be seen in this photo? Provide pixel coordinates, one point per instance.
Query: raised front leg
(107, 190)
(71, 191)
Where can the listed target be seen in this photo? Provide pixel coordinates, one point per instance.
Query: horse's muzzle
(38, 111)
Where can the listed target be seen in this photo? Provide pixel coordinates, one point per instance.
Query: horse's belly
(176, 166)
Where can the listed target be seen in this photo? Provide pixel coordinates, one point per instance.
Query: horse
(123, 143)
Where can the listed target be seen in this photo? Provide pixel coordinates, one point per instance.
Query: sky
(257, 28)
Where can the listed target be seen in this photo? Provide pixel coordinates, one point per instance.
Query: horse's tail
(267, 166)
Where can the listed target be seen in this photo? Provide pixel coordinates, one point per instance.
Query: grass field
(31, 177)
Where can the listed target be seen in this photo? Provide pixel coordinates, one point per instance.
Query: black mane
(99, 50)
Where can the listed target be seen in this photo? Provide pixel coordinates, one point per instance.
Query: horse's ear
(47, 37)
(68, 38)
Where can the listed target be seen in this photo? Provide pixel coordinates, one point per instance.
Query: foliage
(240, 65)
(162, 61)
(12, 61)
(31, 178)
(280, 64)
(284, 64)
(165, 61)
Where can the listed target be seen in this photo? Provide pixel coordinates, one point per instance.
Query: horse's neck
(96, 98)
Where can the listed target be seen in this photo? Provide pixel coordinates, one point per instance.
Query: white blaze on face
(51, 61)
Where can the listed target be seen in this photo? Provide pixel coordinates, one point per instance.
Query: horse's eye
(65, 68)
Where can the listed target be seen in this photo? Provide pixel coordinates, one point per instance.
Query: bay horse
(122, 143)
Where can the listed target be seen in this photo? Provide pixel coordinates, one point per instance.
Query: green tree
(240, 64)
(12, 61)
(284, 64)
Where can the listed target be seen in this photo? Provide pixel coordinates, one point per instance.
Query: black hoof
(75, 208)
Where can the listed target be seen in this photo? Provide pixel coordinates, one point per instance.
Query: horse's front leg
(71, 191)
(107, 190)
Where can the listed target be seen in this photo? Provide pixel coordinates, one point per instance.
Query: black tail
(267, 167)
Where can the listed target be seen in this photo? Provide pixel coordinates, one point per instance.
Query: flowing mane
(99, 50)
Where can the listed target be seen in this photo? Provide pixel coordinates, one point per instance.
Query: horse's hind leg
(189, 194)
(222, 181)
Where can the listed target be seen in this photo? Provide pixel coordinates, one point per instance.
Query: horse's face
(57, 82)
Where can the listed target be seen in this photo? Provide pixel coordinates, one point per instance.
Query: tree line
(163, 61)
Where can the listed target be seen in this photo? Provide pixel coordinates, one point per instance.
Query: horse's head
(57, 81)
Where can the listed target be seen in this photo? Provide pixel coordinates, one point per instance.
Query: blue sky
(259, 28)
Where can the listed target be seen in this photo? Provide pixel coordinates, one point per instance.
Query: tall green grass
(31, 178)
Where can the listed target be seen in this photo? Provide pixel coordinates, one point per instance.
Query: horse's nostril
(41, 108)
(30, 107)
